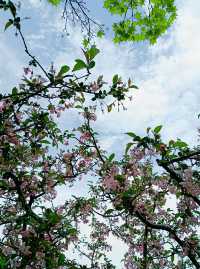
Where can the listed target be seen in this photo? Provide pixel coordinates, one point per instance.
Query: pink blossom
(133, 169)
(128, 262)
(85, 211)
(162, 262)
(139, 248)
(191, 187)
(12, 209)
(87, 208)
(110, 183)
(60, 210)
(26, 233)
(27, 70)
(85, 136)
(13, 139)
(24, 185)
(58, 113)
(46, 166)
(50, 185)
(83, 163)
(52, 110)
(90, 116)
(188, 174)
(19, 116)
(117, 201)
(47, 237)
(40, 255)
(137, 154)
(94, 86)
(140, 207)
(163, 184)
(2, 106)
(67, 156)
(66, 142)
(7, 250)
(195, 220)
(68, 105)
(151, 152)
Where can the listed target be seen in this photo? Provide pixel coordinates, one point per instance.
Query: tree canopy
(127, 198)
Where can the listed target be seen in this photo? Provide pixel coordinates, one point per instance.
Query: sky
(167, 73)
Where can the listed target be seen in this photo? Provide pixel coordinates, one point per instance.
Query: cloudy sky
(166, 73)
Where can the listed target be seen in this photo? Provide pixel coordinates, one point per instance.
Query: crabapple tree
(128, 198)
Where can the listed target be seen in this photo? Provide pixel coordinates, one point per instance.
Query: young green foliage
(54, 2)
(141, 20)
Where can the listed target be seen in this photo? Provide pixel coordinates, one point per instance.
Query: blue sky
(166, 73)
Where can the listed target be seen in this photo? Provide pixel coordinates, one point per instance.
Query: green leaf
(45, 142)
(91, 65)
(133, 87)
(172, 258)
(151, 19)
(14, 91)
(115, 79)
(85, 42)
(3, 262)
(100, 33)
(119, 178)
(157, 129)
(109, 107)
(128, 146)
(8, 24)
(78, 106)
(131, 134)
(111, 157)
(109, 211)
(64, 69)
(92, 52)
(72, 231)
(80, 64)
(61, 259)
(128, 193)
(180, 144)
(54, 2)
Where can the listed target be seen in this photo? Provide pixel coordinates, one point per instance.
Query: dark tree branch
(172, 233)
(178, 179)
(145, 248)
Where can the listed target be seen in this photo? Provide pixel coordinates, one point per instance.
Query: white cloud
(11, 64)
(36, 3)
(169, 89)
(168, 78)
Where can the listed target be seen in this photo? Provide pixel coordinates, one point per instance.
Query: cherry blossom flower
(137, 154)
(85, 137)
(27, 71)
(89, 115)
(2, 106)
(94, 86)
